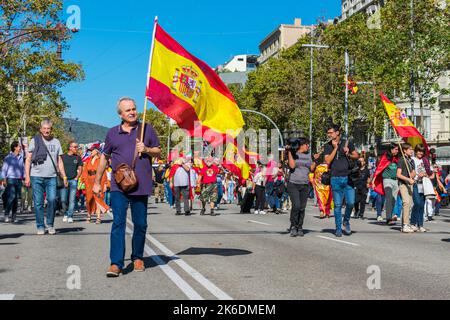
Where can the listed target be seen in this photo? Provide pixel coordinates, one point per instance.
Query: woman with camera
(300, 165)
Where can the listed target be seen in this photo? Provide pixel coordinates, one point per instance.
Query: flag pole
(148, 76)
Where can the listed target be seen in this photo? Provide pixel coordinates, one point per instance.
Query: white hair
(124, 99)
(46, 122)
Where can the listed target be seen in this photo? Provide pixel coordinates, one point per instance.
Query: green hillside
(85, 132)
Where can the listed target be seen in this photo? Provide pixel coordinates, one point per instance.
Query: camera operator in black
(300, 165)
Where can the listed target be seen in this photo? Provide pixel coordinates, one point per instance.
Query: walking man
(13, 172)
(207, 178)
(42, 166)
(73, 167)
(338, 154)
(123, 146)
(179, 182)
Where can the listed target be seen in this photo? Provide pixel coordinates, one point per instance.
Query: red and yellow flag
(188, 90)
(234, 162)
(402, 125)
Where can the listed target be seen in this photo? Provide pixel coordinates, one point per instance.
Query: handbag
(59, 180)
(428, 189)
(125, 176)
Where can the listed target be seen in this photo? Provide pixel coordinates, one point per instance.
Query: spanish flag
(402, 125)
(234, 162)
(188, 90)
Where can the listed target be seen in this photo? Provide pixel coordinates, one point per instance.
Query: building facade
(350, 7)
(283, 37)
(237, 69)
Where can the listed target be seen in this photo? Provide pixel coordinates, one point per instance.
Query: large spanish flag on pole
(188, 90)
(402, 125)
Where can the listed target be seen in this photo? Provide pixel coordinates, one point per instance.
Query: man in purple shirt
(13, 172)
(120, 145)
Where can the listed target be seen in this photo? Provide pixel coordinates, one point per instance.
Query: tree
(29, 34)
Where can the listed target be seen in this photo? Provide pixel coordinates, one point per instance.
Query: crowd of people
(403, 184)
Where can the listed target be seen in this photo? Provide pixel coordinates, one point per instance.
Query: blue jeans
(341, 189)
(119, 205)
(13, 191)
(219, 193)
(39, 186)
(69, 194)
(230, 192)
(398, 206)
(379, 204)
(108, 197)
(270, 196)
(417, 210)
(168, 193)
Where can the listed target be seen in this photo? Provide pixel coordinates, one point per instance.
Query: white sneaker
(414, 228)
(41, 232)
(6, 219)
(256, 211)
(407, 229)
(51, 230)
(65, 219)
(422, 229)
(379, 218)
(262, 212)
(70, 220)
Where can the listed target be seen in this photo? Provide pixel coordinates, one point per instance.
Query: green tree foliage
(381, 56)
(29, 58)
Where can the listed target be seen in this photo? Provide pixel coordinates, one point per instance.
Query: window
(240, 59)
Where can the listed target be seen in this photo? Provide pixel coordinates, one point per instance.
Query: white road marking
(211, 287)
(175, 277)
(266, 224)
(8, 296)
(336, 240)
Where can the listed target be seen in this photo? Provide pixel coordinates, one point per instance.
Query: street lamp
(312, 47)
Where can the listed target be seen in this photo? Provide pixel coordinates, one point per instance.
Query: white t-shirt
(420, 168)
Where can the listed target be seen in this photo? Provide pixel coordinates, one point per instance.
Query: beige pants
(406, 192)
(159, 191)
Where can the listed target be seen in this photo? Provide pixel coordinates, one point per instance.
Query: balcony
(443, 136)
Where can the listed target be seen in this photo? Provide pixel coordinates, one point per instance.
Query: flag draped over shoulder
(188, 90)
(402, 125)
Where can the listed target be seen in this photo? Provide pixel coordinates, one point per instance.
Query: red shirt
(209, 174)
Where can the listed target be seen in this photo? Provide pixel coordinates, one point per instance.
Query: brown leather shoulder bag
(125, 175)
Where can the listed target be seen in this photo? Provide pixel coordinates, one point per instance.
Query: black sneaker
(430, 219)
(202, 212)
(212, 212)
(300, 232)
(178, 213)
(294, 232)
(188, 213)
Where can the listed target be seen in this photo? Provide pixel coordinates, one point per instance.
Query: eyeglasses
(76, 147)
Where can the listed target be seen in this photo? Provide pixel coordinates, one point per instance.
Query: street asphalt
(230, 256)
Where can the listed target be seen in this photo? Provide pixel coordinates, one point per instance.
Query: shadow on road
(68, 230)
(446, 240)
(8, 243)
(11, 236)
(149, 262)
(215, 251)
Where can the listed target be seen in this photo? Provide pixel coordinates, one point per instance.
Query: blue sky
(113, 44)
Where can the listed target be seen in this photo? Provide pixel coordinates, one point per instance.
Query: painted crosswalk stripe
(211, 287)
(175, 277)
(340, 241)
(8, 296)
(266, 224)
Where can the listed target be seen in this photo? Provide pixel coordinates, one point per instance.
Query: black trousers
(360, 201)
(260, 193)
(298, 193)
(185, 192)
